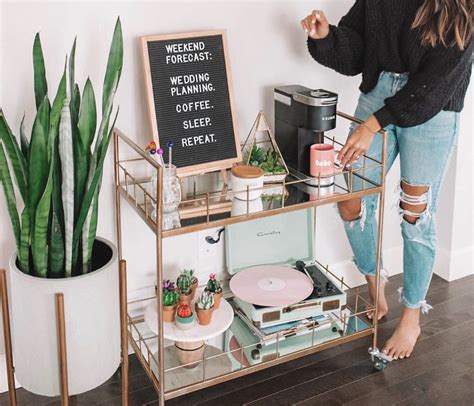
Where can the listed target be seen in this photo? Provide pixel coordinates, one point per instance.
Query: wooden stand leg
(124, 329)
(7, 339)
(62, 353)
(225, 186)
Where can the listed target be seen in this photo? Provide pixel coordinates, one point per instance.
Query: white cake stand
(221, 321)
(190, 344)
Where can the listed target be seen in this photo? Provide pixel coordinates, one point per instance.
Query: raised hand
(316, 25)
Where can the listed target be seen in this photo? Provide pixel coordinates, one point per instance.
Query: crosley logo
(329, 118)
(263, 234)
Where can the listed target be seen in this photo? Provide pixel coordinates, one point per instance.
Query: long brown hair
(446, 22)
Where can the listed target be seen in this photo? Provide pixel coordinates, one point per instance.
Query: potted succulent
(170, 301)
(184, 317)
(214, 286)
(184, 286)
(269, 161)
(205, 307)
(58, 173)
(194, 281)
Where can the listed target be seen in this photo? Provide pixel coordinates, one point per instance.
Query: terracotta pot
(217, 299)
(194, 287)
(204, 316)
(190, 353)
(185, 299)
(185, 323)
(169, 313)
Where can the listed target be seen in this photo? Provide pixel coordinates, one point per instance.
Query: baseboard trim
(452, 265)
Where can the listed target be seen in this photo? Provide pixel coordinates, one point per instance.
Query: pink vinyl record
(270, 285)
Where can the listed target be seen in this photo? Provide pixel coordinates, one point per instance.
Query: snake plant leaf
(56, 249)
(55, 116)
(114, 66)
(58, 101)
(24, 143)
(80, 168)
(72, 69)
(17, 160)
(25, 241)
(87, 116)
(7, 184)
(38, 163)
(89, 232)
(89, 196)
(66, 155)
(39, 241)
(75, 105)
(40, 83)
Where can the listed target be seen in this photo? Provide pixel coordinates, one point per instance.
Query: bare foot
(383, 306)
(403, 340)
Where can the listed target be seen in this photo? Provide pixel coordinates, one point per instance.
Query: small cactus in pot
(183, 285)
(204, 307)
(170, 303)
(214, 286)
(194, 281)
(184, 317)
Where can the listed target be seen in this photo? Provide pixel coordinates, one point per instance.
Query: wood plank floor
(440, 372)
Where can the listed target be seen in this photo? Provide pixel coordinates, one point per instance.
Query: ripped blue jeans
(425, 151)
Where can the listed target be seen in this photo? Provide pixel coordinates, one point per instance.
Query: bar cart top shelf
(219, 208)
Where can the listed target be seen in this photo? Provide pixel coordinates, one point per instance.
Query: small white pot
(91, 304)
(247, 178)
(240, 207)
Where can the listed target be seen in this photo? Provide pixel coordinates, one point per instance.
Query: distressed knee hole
(350, 210)
(414, 201)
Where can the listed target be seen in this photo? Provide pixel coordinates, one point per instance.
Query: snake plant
(58, 171)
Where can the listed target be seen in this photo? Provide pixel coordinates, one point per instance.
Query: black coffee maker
(302, 116)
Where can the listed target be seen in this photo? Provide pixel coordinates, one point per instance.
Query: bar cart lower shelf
(165, 370)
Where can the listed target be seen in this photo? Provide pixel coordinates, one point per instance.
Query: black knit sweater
(376, 36)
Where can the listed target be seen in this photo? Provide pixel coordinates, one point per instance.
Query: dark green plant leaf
(88, 197)
(39, 241)
(72, 69)
(80, 169)
(9, 192)
(38, 164)
(40, 83)
(17, 160)
(24, 143)
(114, 66)
(75, 105)
(56, 249)
(87, 116)
(24, 251)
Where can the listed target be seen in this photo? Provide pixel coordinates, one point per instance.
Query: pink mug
(322, 160)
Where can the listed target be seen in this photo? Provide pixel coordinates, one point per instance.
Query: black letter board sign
(190, 100)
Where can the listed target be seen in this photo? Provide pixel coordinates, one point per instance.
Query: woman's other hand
(316, 25)
(359, 141)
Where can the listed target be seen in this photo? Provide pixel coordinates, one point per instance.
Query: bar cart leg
(124, 330)
(159, 282)
(379, 359)
(62, 351)
(7, 337)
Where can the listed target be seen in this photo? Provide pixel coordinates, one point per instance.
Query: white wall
(267, 48)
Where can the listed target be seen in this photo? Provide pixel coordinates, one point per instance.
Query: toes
(402, 354)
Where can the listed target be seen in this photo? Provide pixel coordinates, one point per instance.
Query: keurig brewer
(302, 116)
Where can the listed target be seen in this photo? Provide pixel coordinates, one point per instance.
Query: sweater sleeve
(343, 48)
(428, 90)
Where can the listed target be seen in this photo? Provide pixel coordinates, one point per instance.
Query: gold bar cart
(133, 188)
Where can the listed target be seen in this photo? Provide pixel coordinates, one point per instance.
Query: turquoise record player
(288, 240)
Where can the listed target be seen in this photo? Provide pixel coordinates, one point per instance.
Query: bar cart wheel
(379, 359)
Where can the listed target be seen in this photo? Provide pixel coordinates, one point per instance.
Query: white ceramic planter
(92, 317)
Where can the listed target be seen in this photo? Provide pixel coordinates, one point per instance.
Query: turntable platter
(270, 285)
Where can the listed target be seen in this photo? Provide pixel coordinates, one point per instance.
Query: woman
(415, 60)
